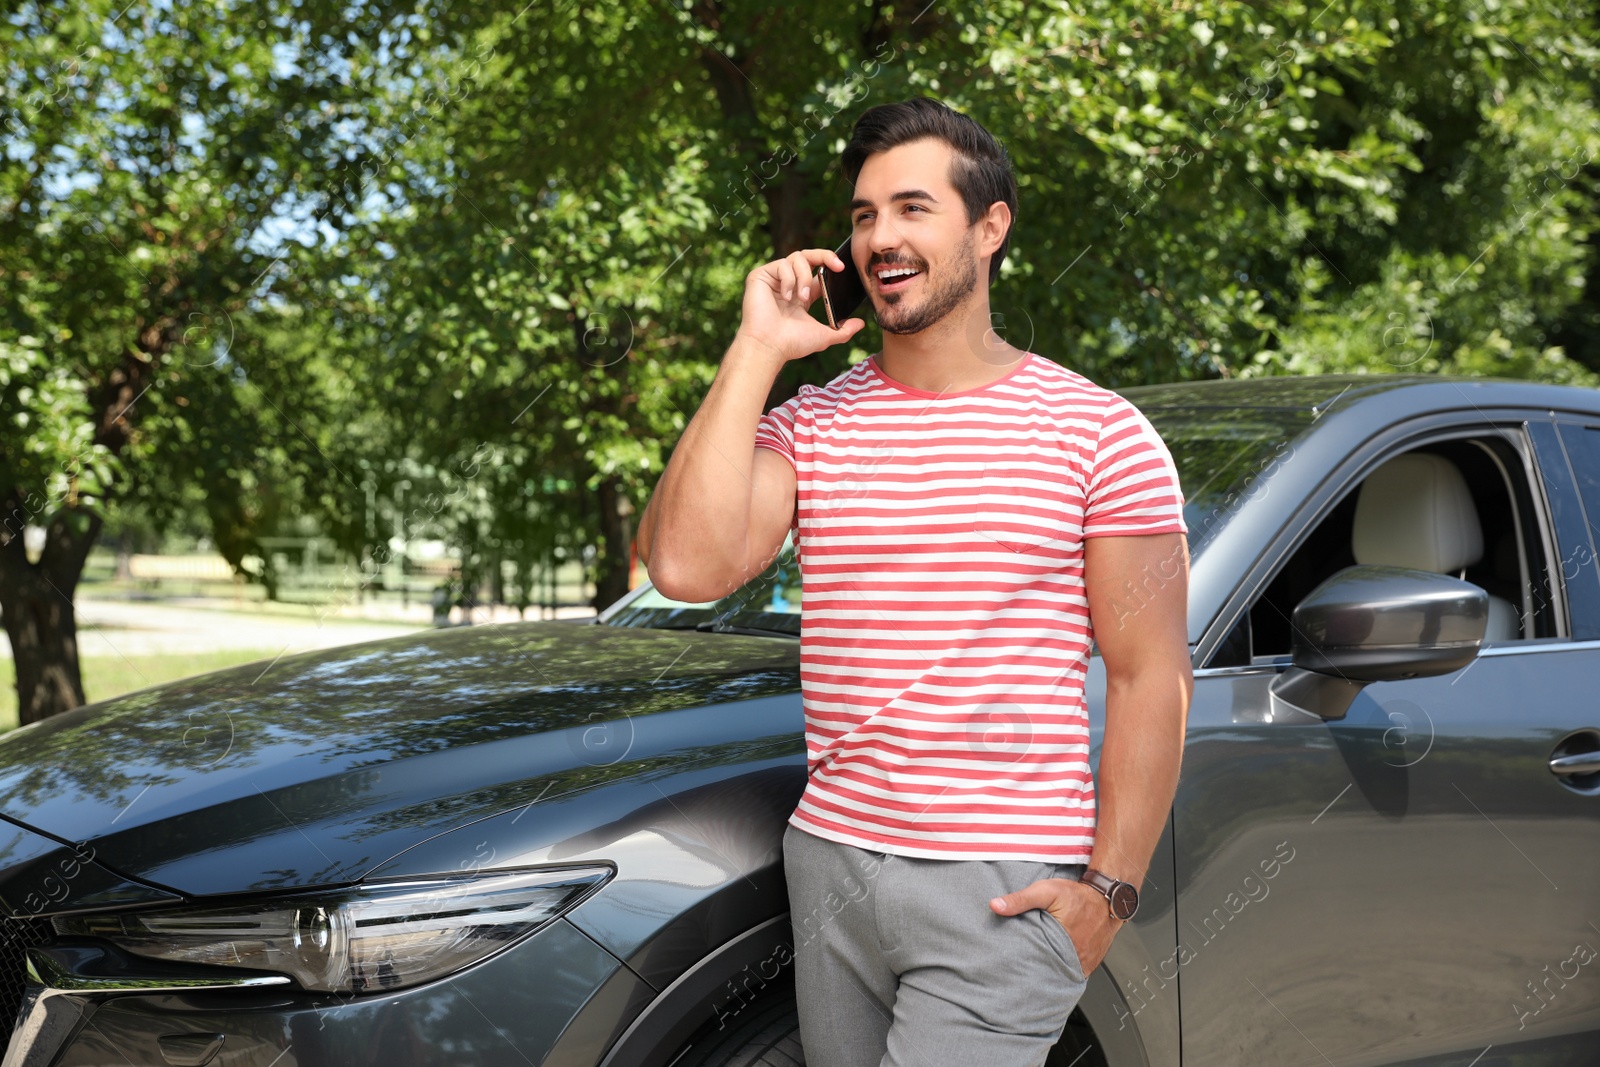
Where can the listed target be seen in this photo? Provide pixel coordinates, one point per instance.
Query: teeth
(898, 272)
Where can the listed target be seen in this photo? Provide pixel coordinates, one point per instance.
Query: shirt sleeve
(1133, 485)
(775, 431)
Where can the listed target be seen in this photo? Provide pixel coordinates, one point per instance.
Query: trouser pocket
(1060, 940)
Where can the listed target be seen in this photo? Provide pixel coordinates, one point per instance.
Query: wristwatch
(1121, 897)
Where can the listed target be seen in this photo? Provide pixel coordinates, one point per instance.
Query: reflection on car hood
(319, 767)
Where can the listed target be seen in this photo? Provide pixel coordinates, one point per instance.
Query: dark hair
(981, 171)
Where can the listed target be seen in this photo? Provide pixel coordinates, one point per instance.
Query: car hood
(313, 769)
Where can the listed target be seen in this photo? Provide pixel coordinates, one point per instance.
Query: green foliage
(152, 160)
(1211, 189)
(45, 433)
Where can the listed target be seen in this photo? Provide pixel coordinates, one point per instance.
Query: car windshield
(1223, 455)
(767, 605)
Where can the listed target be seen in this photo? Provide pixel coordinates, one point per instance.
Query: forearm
(1140, 757)
(696, 525)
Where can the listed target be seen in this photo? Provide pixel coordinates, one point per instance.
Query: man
(970, 517)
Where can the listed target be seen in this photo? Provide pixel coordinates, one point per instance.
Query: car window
(1580, 560)
(1583, 451)
(1510, 565)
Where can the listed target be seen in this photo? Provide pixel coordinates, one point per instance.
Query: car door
(1410, 883)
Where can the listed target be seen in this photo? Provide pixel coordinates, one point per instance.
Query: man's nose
(884, 237)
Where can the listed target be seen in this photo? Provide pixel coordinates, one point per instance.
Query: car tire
(770, 1037)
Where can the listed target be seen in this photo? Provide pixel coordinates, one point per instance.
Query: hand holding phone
(777, 297)
(843, 292)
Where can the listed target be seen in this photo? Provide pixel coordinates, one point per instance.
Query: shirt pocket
(1027, 508)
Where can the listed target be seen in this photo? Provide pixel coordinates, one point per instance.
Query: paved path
(134, 629)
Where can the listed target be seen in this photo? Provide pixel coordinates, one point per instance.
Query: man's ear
(993, 227)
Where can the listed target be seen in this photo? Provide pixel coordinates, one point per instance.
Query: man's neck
(957, 354)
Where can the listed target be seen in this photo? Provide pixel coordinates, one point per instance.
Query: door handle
(1575, 756)
(1581, 763)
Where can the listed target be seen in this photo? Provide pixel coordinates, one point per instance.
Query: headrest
(1415, 511)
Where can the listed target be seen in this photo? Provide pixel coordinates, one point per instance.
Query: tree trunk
(616, 527)
(614, 554)
(39, 616)
(37, 597)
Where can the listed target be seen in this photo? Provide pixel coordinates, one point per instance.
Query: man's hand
(1080, 909)
(776, 297)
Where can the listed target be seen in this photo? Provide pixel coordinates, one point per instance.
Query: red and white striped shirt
(944, 629)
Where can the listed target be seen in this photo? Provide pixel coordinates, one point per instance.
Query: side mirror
(1378, 624)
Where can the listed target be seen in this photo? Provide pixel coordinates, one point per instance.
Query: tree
(149, 158)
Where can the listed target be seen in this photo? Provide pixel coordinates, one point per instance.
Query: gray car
(559, 843)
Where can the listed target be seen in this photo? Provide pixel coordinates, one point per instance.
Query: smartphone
(843, 291)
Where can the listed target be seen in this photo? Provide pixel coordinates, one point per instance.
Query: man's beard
(939, 302)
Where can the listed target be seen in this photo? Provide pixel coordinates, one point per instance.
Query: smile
(894, 279)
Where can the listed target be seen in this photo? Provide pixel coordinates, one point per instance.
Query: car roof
(1316, 395)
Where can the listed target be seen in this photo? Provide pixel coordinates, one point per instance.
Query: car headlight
(367, 939)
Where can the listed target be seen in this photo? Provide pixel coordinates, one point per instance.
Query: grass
(109, 676)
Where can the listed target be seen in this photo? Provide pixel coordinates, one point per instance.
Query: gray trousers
(900, 961)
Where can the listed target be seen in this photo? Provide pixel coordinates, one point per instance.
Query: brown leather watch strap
(1098, 880)
(1105, 885)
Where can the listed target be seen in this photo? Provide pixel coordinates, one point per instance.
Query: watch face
(1124, 900)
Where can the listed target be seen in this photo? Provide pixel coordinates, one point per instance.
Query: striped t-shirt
(944, 630)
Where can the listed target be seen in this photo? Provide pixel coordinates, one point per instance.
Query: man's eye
(915, 207)
(863, 217)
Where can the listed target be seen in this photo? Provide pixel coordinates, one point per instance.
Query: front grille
(16, 937)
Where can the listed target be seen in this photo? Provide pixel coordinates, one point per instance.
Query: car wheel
(770, 1037)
